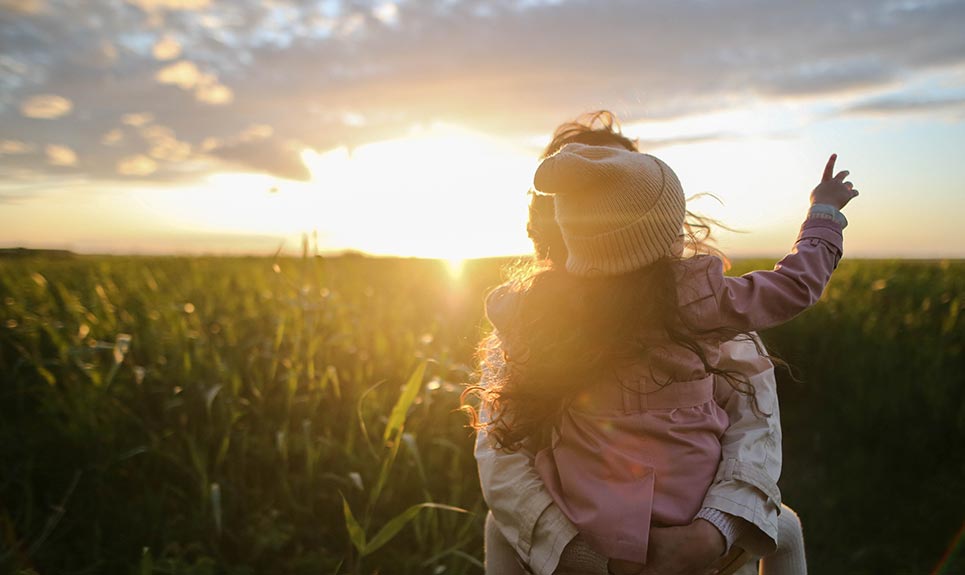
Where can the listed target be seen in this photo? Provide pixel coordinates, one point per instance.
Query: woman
(741, 505)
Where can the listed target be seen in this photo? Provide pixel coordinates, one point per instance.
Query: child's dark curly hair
(571, 330)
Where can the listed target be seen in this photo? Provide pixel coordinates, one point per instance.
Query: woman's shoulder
(502, 304)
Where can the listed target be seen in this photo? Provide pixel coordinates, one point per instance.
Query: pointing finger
(829, 168)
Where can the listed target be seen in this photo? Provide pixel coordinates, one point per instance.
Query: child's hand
(834, 190)
(621, 567)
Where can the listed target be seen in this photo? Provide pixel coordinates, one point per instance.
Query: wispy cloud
(185, 75)
(907, 105)
(23, 6)
(166, 48)
(14, 147)
(45, 106)
(322, 74)
(61, 156)
(272, 155)
(139, 165)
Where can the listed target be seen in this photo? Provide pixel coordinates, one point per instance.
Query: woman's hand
(688, 550)
(621, 567)
(833, 190)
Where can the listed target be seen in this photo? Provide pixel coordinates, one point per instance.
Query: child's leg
(789, 557)
(500, 555)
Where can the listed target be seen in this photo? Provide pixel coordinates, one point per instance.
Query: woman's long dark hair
(569, 331)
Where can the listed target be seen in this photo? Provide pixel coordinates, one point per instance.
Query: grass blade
(397, 418)
(355, 532)
(392, 528)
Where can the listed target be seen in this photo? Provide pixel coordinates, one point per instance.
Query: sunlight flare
(455, 267)
(442, 191)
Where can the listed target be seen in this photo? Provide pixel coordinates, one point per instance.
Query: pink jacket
(632, 453)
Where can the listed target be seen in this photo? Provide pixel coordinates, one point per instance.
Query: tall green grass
(874, 435)
(223, 415)
(258, 415)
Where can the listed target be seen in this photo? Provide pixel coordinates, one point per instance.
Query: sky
(413, 128)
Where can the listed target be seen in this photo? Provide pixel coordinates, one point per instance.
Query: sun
(439, 192)
(442, 191)
(455, 267)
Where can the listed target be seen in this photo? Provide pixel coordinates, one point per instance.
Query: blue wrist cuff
(827, 212)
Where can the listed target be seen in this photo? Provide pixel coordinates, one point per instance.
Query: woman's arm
(538, 530)
(524, 510)
(743, 502)
(746, 482)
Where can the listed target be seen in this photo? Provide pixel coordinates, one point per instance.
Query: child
(741, 508)
(611, 362)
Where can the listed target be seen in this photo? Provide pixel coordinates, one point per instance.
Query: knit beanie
(618, 210)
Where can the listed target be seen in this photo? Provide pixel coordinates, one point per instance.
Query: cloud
(211, 92)
(828, 77)
(353, 119)
(46, 106)
(653, 143)
(102, 54)
(164, 145)
(153, 5)
(112, 138)
(24, 6)
(138, 165)
(171, 151)
(268, 155)
(387, 13)
(60, 156)
(11, 147)
(167, 48)
(890, 105)
(352, 24)
(331, 73)
(137, 120)
(211, 143)
(520, 70)
(186, 75)
(183, 74)
(256, 132)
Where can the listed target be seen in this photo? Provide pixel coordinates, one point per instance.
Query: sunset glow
(440, 192)
(197, 127)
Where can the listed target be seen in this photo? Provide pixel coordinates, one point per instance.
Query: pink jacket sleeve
(764, 299)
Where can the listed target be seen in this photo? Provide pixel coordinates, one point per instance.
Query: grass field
(257, 415)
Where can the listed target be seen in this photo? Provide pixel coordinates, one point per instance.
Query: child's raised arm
(764, 299)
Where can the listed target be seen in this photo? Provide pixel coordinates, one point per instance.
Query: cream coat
(745, 486)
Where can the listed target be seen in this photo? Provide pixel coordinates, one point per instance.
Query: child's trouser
(788, 559)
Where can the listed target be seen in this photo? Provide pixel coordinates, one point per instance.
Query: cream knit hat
(618, 210)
